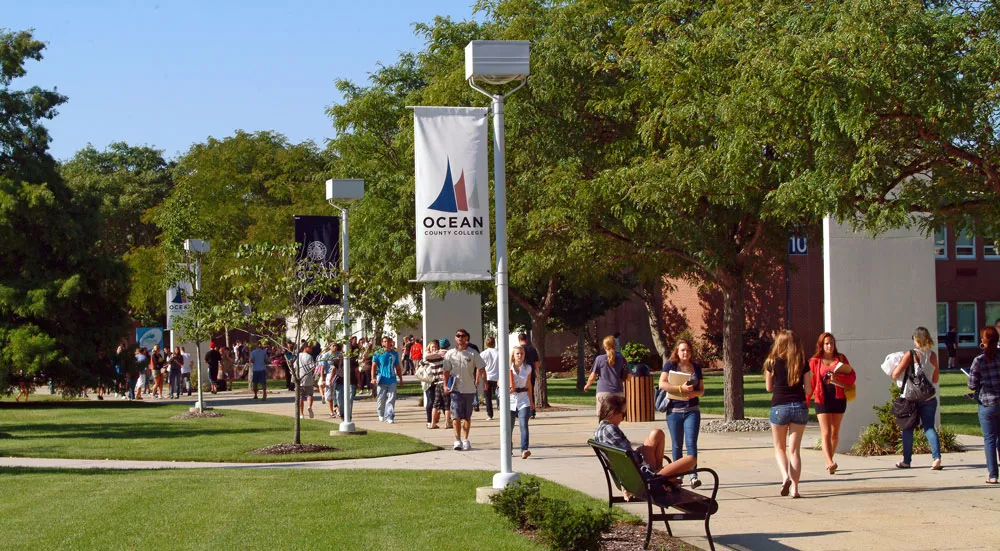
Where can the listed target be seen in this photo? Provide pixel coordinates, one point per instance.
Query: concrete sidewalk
(867, 504)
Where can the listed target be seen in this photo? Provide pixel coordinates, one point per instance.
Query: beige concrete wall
(443, 317)
(876, 292)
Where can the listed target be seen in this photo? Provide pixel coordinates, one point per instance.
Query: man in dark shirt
(213, 358)
(530, 358)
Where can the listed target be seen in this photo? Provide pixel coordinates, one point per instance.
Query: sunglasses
(461, 336)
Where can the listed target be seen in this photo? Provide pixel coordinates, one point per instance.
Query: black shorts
(831, 404)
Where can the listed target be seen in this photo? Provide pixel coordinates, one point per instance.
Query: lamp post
(197, 246)
(341, 194)
(499, 62)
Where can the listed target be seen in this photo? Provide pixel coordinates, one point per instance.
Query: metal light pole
(499, 62)
(197, 246)
(340, 194)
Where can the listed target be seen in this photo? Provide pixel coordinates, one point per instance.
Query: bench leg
(649, 524)
(711, 544)
(666, 523)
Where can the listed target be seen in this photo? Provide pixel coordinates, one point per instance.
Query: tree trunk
(652, 297)
(733, 325)
(581, 369)
(538, 339)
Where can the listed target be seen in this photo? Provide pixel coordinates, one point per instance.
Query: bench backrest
(623, 468)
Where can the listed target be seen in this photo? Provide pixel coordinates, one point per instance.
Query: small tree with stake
(274, 291)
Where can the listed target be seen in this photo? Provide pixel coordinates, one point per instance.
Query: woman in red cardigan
(830, 374)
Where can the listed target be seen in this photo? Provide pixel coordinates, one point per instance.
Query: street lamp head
(196, 246)
(344, 191)
(497, 61)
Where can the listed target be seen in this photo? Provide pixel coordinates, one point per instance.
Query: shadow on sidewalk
(766, 542)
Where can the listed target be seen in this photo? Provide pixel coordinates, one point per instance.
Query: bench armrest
(660, 479)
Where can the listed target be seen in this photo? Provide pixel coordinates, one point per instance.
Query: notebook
(677, 378)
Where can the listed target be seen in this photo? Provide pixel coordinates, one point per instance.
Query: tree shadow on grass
(131, 431)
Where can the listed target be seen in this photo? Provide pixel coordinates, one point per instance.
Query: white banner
(178, 297)
(453, 222)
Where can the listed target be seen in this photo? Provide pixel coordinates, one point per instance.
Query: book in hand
(677, 378)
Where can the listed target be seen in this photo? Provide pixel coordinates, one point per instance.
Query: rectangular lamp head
(196, 246)
(345, 190)
(497, 61)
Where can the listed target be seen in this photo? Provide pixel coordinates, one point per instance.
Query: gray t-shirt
(610, 377)
(259, 358)
(462, 364)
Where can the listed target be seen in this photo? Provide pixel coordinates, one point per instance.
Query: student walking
(786, 376)
(522, 397)
(466, 366)
(684, 416)
(491, 358)
(610, 370)
(984, 381)
(387, 372)
(830, 374)
(924, 363)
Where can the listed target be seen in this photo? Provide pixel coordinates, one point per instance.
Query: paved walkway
(867, 504)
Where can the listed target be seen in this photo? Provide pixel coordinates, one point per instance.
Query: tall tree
(61, 297)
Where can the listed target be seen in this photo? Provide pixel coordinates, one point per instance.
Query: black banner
(319, 241)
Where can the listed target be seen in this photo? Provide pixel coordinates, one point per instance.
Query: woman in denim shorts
(786, 375)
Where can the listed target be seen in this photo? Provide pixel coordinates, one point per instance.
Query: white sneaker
(381, 419)
(695, 483)
(458, 444)
(466, 445)
(390, 421)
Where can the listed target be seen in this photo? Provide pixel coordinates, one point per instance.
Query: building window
(941, 243)
(966, 317)
(990, 249)
(942, 319)
(992, 312)
(965, 245)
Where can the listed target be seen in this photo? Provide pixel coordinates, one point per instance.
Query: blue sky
(173, 73)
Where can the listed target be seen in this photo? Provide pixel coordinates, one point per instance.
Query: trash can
(639, 398)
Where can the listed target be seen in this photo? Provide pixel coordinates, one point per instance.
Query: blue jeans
(338, 396)
(386, 401)
(523, 415)
(926, 410)
(684, 429)
(989, 420)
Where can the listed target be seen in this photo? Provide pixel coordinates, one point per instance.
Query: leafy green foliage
(517, 502)
(635, 352)
(61, 297)
(885, 438)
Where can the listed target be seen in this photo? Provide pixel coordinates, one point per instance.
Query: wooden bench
(622, 468)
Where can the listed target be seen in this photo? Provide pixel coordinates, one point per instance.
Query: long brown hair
(989, 336)
(819, 346)
(787, 346)
(611, 405)
(609, 348)
(674, 357)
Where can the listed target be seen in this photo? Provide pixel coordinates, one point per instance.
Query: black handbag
(921, 389)
(905, 412)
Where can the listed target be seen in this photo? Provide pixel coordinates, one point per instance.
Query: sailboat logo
(453, 197)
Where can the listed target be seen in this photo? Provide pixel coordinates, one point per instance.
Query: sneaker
(458, 444)
(695, 483)
(466, 445)
(311, 413)
(489, 417)
(390, 421)
(381, 419)
(525, 454)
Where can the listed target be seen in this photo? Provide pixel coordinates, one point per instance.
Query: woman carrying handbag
(831, 374)
(914, 369)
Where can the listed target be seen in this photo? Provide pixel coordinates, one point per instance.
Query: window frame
(972, 342)
(943, 255)
(947, 322)
(971, 245)
(986, 312)
(991, 243)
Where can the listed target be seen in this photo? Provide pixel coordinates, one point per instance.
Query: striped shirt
(984, 379)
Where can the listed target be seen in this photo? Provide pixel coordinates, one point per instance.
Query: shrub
(635, 352)
(564, 527)
(519, 503)
(885, 438)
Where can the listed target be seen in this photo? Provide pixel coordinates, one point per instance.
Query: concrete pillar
(876, 292)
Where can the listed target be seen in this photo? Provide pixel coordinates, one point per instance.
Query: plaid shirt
(984, 379)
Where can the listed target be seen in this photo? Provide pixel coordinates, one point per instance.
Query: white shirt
(462, 364)
(186, 368)
(306, 364)
(492, 359)
(520, 400)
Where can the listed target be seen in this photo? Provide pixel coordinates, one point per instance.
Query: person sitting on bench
(649, 454)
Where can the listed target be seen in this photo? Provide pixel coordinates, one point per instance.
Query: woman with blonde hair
(786, 376)
(611, 370)
(830, 374)
(924, 362)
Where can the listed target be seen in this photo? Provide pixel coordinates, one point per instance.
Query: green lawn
(145, 431)
(212, 509)
(956, 411)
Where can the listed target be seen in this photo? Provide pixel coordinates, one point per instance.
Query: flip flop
(902, 465)
(832, 468)
(991, 481)
(784, 487)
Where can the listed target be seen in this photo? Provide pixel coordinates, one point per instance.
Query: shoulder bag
(905, 410)
(920, 388)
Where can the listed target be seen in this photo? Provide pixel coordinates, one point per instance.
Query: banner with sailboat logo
(453, 222)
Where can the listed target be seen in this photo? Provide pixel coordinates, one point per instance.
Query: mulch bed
(286, 449)
(196, 415)
(629, 537)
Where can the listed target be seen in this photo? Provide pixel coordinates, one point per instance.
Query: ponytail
(609, 348)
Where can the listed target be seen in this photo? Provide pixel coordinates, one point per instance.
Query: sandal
(936, 466)
(991, 481)
(902, 465)
(784, 487)
(832, 468)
